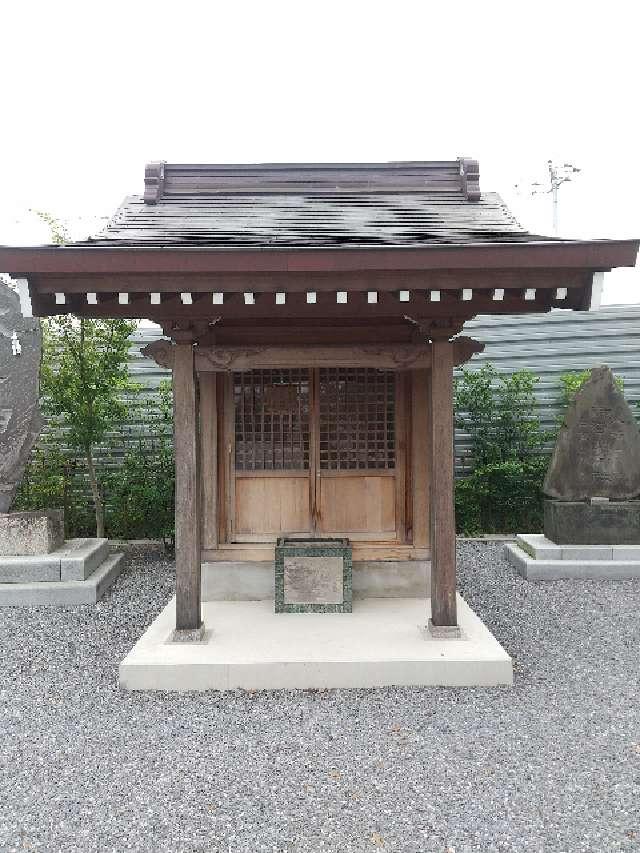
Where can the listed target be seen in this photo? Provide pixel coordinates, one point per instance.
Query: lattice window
(271, 420)
(357, 419)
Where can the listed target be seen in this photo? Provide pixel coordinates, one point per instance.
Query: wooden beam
(297, 309)
(353, 281)
(188, 546)
(209, 459)
(224, 359)
(420, 457)
(393, 357)
(576, 254)
(443, 526)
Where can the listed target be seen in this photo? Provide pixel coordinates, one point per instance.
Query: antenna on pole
(559, 173)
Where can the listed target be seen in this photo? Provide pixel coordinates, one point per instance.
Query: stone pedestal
(583, 523)
(28, 534)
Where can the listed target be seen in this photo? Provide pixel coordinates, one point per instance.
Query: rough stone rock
(31, 533)
(20, 421)
(597, 453)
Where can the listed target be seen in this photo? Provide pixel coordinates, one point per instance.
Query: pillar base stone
(188, 635)
(444, 632)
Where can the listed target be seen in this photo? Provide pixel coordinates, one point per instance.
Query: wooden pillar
(209, 458)
(420, 457)
(443, 526)
(186, 448)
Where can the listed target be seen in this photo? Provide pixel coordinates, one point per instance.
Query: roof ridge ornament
(154, 181)
(459, 176)
(470, 178)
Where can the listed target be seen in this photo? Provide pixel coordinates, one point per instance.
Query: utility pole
(559, 173)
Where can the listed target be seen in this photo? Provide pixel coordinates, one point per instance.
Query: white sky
(90, 92)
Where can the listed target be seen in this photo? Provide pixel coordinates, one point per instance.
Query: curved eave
(596, 255)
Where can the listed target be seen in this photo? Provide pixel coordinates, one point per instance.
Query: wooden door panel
(358, 504)
(269, 506)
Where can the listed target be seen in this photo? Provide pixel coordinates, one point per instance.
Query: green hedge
(502, 497)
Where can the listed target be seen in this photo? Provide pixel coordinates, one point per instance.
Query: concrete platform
(537, 558)
(64, 592)
(249, 646)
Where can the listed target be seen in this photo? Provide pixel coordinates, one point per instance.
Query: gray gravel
(550, 765)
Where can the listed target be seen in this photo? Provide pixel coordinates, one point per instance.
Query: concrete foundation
(254, 581)
(64, 592)
(537, 558)
(383, 642)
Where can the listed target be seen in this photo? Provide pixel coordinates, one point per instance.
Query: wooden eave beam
(594, 255)
(295, 282)
(297, 308)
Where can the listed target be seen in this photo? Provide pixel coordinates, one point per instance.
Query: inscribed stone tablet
(597, 453)
(313, 580)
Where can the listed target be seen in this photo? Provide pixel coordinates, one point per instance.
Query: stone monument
(592, 488)
(37, 566)
(594, 473)
(20, 421)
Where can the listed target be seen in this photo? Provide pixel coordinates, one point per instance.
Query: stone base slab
(581, 523)
(76, 560)
(63, 593)
(565, 565)
(237, 580)
(250, 647)
(31, 534)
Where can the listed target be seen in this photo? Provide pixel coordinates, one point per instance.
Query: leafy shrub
(502, 497)
(498, 411)
(138, 486)
(140, 490)
(503, 493)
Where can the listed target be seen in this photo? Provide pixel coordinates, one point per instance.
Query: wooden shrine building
(312, 317)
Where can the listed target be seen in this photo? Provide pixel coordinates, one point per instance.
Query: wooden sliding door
(356, 453)
(315, 452)
(270, 480)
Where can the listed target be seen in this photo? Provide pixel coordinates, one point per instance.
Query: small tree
(84, 373)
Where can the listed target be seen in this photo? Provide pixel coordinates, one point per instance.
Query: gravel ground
(550, 765)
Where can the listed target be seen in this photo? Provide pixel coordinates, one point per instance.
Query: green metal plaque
(313, 575)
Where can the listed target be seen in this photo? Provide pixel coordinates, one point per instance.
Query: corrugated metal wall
(556, 343)
(547, 344)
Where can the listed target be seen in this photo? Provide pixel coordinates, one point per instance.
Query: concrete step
(565, 569)
(538, 546)
(76, 560)
(64, 592)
